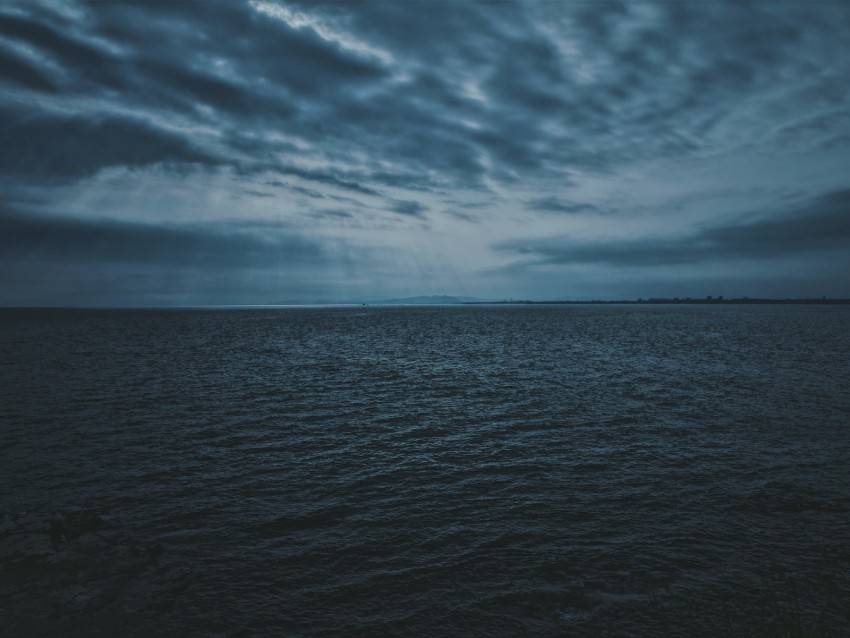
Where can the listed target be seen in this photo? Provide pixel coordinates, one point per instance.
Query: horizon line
(708, 300)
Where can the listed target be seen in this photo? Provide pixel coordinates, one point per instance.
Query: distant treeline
(674, 300)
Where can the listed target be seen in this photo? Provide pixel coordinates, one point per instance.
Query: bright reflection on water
(577, 470)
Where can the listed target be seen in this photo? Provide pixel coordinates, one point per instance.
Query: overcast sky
(264, 151)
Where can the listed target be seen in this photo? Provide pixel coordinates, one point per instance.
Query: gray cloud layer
(144, 262)
(466, 91)
(403, 105)
(75, 240)
(822, 224)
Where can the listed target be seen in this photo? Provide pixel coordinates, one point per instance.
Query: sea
(468, 470)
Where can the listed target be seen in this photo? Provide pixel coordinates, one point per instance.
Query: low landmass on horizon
(441, 300)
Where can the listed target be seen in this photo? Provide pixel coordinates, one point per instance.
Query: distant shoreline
(675, 300)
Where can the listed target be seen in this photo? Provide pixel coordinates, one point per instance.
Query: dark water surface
(433, 471)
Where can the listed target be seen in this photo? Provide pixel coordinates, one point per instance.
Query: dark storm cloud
(255, 193)
(36, 240)
(412, 180)
(381, 107)
(822, 224)
(555, 205)
(253, 92)
(662, 76)
(409, 208)
(262, 50)
(17, 70)
(308, 192)
(282, 77)
(333, 213)
(51, 41)
(60, 146)
(447, 94)
(187, 89)
(344, 182)
(818, 226)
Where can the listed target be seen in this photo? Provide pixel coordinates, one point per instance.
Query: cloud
(333, 213)
(817, 226)
(309, 192)
(347, 112)
(73, 53)
(821, 224)
(553, 204)
(517, 91)
(17, 70)
(59, 146)
(39, 239)
(256, 193)
(345, 181)
(408, 208)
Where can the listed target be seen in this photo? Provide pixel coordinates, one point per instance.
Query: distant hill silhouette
(422, 300)
(435, 300)
(419, 300)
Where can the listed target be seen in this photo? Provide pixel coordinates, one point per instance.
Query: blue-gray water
(433, 471)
